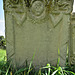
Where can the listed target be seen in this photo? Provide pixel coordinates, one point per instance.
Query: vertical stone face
(72, 53)
(41, 28)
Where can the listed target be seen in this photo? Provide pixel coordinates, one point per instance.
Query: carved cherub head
(37, 8)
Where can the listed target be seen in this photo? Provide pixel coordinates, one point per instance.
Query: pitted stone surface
(41, 28)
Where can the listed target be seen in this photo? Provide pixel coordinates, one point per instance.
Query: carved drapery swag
(38, 9)
(61, 4)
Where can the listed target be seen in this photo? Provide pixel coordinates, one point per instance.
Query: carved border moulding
(37, 12)
(18, 10)
(54, 20)
(20, 16)
(19, 20)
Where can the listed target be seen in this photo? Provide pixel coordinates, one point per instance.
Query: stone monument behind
(37, 26)
(72, 52)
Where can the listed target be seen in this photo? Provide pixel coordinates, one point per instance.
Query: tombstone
(37, 27)
(72, 52)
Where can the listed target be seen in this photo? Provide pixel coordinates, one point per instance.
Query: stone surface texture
(72, 53)
(40, 28)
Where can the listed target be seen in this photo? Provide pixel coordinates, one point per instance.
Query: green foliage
(2, 54)
(7, 69)
(2, 42)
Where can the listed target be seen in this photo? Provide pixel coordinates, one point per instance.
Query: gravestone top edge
(53, 6)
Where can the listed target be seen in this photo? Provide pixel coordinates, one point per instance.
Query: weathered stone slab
(41, 28)
(72, 53)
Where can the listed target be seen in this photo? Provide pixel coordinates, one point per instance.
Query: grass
(6, 69)
(2, 54)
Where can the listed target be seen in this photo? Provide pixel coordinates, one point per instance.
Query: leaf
(20, 70)
(31, 63)
(48, 69)
(54, 72)
(39, 72)
(10, 73)
(69, 72)
(58, 58)
(60, 70)
(7, 70)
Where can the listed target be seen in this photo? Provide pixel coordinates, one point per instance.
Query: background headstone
(72, 53)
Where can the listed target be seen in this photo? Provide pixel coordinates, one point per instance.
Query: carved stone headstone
(38, 26)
